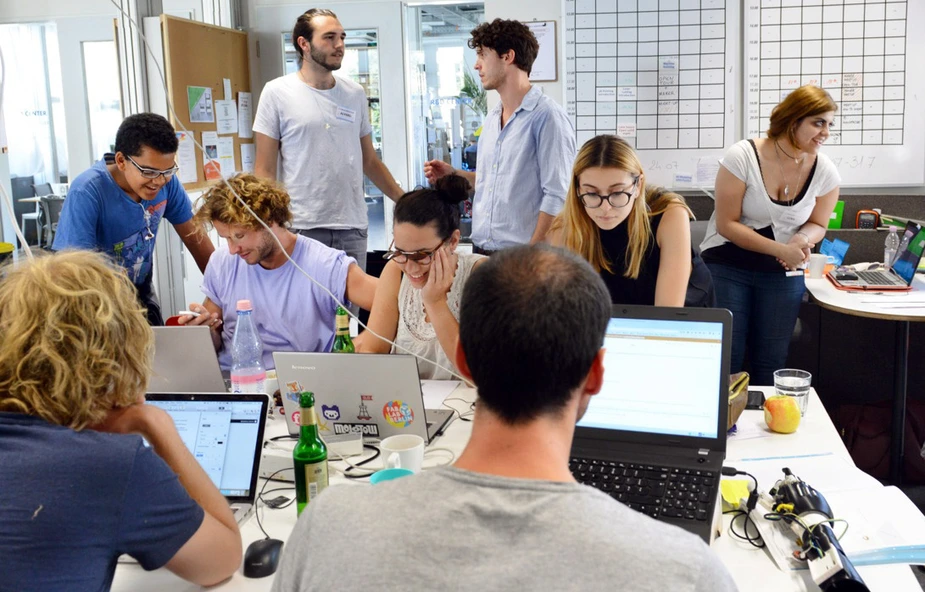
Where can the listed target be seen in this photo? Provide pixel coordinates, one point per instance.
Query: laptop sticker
(363, 413)
(332, 412)
(398, 413)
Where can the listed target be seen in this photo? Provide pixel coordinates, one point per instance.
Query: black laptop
(654, 438)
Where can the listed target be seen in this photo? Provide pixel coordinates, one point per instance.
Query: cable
(260, 498)
(207, 158)
(756, 540)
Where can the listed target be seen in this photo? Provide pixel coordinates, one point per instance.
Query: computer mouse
(262, 558)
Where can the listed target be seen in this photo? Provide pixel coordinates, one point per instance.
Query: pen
(189, 313)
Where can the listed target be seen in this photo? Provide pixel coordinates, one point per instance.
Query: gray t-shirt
(322, 162)
(452, 529)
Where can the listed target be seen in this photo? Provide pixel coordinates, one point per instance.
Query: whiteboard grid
(658, 73)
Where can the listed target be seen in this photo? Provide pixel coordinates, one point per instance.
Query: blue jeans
(765, 307)
(349, 240)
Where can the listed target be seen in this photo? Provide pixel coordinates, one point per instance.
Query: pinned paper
(227, 117)
(248, 156)
(200, 104)
(186, 158)
(226, 84)
(211, 167)
(245, 115)
(226, 156)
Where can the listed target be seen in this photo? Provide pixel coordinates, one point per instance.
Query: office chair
(51, 212)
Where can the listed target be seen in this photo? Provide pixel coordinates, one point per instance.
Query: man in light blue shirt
(526, 148)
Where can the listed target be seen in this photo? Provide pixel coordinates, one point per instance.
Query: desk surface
(901, 306)
(751, 568)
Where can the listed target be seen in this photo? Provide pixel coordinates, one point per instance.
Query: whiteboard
(859, 52)
(544, 66)
(663, 75)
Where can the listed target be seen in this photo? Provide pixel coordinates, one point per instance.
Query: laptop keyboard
(656, 491)
(876, 277)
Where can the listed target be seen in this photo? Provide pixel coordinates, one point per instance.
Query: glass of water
(794, 383)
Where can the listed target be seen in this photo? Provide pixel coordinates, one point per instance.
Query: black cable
(361, 463)
(756, 540)
(284, 437)
(260, 498)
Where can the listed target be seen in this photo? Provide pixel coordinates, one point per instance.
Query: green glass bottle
(310, 456)
(342, 342)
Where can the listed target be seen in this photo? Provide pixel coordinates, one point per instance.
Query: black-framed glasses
(617, 199)
(422, 257)
(154, 173)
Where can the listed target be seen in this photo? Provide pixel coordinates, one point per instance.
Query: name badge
(345, 114)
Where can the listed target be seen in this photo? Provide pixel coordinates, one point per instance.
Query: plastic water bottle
(890, 247)
(247, 372)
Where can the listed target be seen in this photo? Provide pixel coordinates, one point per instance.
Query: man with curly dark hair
(526, 147)
(116, 206)
(291, 312)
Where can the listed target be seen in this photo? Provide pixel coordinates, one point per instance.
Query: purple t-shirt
(290, 311)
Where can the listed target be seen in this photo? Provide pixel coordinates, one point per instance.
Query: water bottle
(890, 247)
(247, 372)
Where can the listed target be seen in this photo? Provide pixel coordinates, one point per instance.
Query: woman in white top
(417, 300)
(774, 197)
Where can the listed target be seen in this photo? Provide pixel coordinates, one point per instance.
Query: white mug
(817, 263)
(404, 451)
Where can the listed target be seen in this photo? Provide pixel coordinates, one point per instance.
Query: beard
(321, 59)
(267, 247)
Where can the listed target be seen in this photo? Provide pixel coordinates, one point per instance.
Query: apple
(782, 414)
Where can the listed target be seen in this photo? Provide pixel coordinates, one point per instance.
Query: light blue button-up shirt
(523, 169)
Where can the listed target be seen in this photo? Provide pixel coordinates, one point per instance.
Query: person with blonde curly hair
(291, 312)
(636, 235)
(79, 486)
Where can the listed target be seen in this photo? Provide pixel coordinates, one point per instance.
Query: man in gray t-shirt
(509, 515)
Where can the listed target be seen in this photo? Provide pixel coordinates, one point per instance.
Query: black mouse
(262, 558)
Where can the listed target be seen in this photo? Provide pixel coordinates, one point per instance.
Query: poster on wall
(544, 67)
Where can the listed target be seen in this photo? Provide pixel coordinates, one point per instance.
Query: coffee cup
(404, 451)
(817, 263)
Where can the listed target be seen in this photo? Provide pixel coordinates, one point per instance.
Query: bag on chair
(866, 430)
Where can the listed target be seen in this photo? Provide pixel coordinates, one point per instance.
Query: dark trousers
(148, 299)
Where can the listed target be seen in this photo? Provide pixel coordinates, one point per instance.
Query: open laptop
(900, 274)
(185, 362)
(225, 433)
(378, 395)
(654, 438)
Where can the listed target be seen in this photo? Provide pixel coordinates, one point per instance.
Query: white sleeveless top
(417, 335)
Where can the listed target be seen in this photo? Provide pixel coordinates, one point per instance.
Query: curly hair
(503, 36)
(74, 342)
(267, 198)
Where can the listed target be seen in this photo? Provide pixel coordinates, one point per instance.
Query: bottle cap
(244, 305)
(892, 228)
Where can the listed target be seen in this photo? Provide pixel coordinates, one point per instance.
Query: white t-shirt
(758, 211)
(322, 162)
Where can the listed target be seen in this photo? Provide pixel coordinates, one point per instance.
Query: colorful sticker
(398, 413)
(296, 417)
(293, 390)
(363, 413)
(332, 412)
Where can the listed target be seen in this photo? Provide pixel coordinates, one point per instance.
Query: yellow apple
(782, 414)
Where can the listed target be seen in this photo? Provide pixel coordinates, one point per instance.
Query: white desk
(751, 567)
(901, 308)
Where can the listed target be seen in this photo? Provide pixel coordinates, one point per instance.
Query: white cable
(256, 217)
(6, 196)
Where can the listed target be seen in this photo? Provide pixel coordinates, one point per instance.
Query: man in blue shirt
(526, 148)
(116, 206)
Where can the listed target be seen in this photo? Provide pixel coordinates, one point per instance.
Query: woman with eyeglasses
(774, 197)
(637, 237)
(417, 300)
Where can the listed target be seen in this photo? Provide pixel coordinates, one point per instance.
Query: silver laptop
(185, 362)
(654, 438)
(378, 395)
(225, 434)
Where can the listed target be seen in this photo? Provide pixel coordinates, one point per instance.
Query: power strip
(275, 459)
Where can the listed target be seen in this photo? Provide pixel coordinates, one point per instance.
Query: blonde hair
(74, 342)
(580, 231)
(267, 198)
(803, 102)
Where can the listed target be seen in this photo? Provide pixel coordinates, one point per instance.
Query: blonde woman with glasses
(636, 236)
(417, 300)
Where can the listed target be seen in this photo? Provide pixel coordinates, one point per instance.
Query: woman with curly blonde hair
(291, 312)
(78, 488)
(636, 236)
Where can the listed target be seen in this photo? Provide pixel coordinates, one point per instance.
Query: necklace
(795, 160)
(780, 165)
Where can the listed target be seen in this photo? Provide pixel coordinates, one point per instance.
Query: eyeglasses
(423, 256)
(617, 199)
(154, 173)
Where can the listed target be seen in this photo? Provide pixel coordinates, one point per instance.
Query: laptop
(225, 433)
(185, 362)
(900, 274)
(377, 395)
(654, 438)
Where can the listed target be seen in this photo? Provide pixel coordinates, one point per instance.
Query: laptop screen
(907, 261)
(222, 434)
(660, 377)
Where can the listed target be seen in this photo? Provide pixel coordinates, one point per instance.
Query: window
(101, 72)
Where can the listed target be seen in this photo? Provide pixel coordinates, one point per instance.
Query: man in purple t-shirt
(291, 312)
